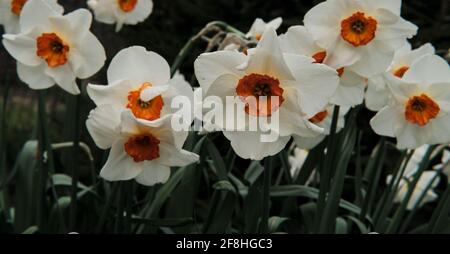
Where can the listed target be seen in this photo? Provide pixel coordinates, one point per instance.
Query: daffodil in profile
(298, 40)
(52, 48)
(120, 12)
(10, 11)
(418, 112)
(360, 34)
(139, 80)
(292, 87)
(259, 26)
(377, 94)
(140, 149)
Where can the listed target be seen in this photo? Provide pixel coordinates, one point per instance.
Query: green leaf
(341, 226)
(30, 230)
(224, 185)
(275, 223)
(253, 172)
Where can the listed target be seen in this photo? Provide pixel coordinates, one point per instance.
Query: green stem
(266, 195)
(326, 173)
(74, 162)
(187, 48)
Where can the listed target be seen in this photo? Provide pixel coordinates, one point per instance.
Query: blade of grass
(326, 171)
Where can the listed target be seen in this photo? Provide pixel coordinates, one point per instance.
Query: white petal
(323, 21)
(34, 76)
(268, 58)
(64, 77)
(80, 21)
(23, 48)
(412, 136)
(115, 94)
(439, 129)
(150, 93)
(140, 12)
(375, 59)
(120, 166)
(343, 54)
(385, 121)
(391, 5)
(298, 40)
(139, 65)
(242, 142)
(428, 70)
(209, 66)
(410, 56)
(348, 95)
(171, 156)
(88, 57)
(102, 124)
(316, 83)
(37, 13)
(393, 27)
(103, 10)
(440, 92)
(376, 98)
(292, 119)
(153, 173)
(308, 143)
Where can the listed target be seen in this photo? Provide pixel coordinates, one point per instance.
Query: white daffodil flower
(298, 40)
(259, 26)
(301, 88)
(120, 12)
(377, 94)
(324, 120)
(419, 111)
(140, 80)
(52, 48)
(10, 11)
(359, 34)
(140, 149)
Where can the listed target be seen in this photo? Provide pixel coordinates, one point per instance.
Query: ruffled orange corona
(421, 109)
(256, 85)
(400, 72)
(127, 5)
(17, 5)
(142, 147)
(319, 117)
(52, 49)
(148, 110)
(358, 29)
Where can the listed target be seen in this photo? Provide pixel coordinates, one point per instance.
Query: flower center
(52, 49)
(142, 147)
(148, 110)
(421, 109)
(401, 71)
(256, 91)
(358, 29)
(127, 5)
(17, 5)
(319, 117)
